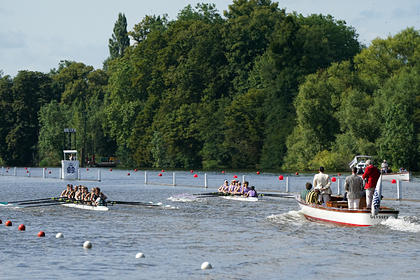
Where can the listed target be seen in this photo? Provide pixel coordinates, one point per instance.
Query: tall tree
(119, 40)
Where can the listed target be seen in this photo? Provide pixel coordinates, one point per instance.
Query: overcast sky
(36, 35)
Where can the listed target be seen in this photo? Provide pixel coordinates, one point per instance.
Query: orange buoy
(135, 170)
(87, 169)
(235, 176)
(45, 168)
(26, 168)
(333, 179)
(281, 177)
(110, 169)
(258, 172)
(41, 234)
(128, 174)
(163, 170)
(49, 172)
(160, 174)
(192, 171)
(223, 172)
(296, 173)
(195, 175)
(393, 181)
(27, 171)
(7, 167)
(21, 227)
(339, 174)
(8, 223)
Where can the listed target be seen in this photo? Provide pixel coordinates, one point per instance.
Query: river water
(268, 239)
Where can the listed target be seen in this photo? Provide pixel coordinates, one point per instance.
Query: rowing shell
(240, 198)
(86, 207)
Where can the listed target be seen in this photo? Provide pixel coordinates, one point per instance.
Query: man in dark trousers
(371, 177)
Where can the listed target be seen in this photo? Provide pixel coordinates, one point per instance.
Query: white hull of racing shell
(344, 216)
(240, 198)
(86, 207)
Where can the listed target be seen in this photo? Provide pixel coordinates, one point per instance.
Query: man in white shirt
(322, 182)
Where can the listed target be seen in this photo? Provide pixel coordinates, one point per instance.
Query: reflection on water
(268, 239)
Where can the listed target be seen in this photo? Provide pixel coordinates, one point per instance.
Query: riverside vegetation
(254, 88)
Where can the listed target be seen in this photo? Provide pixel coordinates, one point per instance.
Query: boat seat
(337, 204)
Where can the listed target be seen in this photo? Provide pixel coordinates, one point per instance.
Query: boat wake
(408, 224)
(291, 217)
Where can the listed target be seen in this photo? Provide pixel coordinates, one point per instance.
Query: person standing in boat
(305, 192)
(322, 182)
(354, 189)
(384, 166)
(371, 177)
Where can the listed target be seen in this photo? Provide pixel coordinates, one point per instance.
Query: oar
(28, 200)
(41, 205)
(46, 202)
(211, 193)
(138, 203)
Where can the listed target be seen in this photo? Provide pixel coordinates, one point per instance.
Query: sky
(37, 35)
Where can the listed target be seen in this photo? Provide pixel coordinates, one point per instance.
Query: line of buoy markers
(88, 244)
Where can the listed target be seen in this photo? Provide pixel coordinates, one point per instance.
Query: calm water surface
(269, 239)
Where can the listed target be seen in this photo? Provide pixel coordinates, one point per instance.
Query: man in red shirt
(371, 177)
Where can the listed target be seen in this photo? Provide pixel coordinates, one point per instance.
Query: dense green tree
(53, 119)
(244, 129)
(247, 35)
(119, 40)
(30, 91)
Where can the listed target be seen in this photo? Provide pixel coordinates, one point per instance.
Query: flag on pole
(376, 202)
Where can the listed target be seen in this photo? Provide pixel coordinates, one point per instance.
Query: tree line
(254, 88)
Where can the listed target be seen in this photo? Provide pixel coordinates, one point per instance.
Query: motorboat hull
(344, 216)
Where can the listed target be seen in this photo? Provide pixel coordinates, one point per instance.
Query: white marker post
(205, 180)
(99, 175)
(145, 177)
(338, 187)
(173, 179)
(287, 184)
(399, 190)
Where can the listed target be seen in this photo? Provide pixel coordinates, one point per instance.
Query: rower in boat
(67, 191)
(224, 187)
(101, 200)
(245, 188)
(241, 190)
(231, 187)
(78, 193)
(238, 188)
(72, 194)
(252, 192)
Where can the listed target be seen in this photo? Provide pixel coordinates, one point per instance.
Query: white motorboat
(337, 212)
(85, 206)
(403, 176)
(240, 198)
(360, 163)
